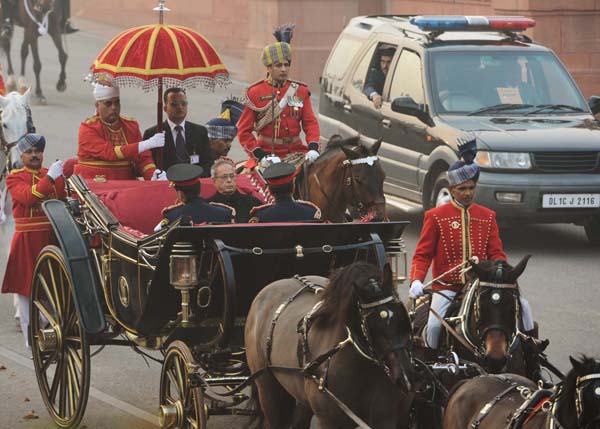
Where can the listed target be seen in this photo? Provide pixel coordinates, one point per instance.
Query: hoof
(61, 85)
(40, 100)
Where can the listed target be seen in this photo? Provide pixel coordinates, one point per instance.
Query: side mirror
(408, 106)
(594, 103)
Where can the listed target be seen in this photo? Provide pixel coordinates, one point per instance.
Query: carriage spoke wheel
(181, 404)
(61, 353)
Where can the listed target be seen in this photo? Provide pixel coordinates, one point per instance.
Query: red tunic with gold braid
(112, 151)
(297, 116)
(452, 234)
(28, 189)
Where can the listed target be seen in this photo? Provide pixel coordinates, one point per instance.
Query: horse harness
(349, 180)
(309, 368)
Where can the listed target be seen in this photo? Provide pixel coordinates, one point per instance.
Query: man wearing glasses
(185, 141)
(223, 175)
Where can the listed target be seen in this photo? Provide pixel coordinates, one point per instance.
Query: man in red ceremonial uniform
(29, 187)
(453, 233)
(283, 117)
(111, 146)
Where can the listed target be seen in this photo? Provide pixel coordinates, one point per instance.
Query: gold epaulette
(313, 205)
(169, 208)
(246, 99)
(298, 82)
(17, 170)
(92, 119)
(225, 206)
(258, 208)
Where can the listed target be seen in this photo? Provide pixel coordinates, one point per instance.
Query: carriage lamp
(183, 274)
(397, 257)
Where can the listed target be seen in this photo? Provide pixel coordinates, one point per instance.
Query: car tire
(592, 230)
(441, 191)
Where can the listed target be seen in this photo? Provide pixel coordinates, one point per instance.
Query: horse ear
(518, 270)
(3, 101)
(375, 148)
(26, 95)
(476, 268)
(577, 365)
(350, 154)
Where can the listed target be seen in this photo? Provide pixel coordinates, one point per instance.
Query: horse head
(579, 403)
(16, 116)
(494, 311)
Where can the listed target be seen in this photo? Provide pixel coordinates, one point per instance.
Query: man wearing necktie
(185, 141)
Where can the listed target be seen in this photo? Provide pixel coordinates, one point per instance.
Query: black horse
(486, 316)
(498, 401)
(33, 15)
(370, 370)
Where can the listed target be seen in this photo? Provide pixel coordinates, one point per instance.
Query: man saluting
(29, 187)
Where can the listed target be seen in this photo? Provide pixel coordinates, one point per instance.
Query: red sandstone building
(241, 28)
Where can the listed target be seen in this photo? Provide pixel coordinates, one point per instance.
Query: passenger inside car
(378, 70)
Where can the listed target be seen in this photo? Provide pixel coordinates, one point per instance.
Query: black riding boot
(68, 28)
(531, 350)
(9, 8)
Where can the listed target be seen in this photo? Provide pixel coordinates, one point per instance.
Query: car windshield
(502, 83)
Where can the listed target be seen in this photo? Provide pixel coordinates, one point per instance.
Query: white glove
(416, 289)
(311, 156)
(56, 169)
(268, 160)
(159, 175)
(157, 140)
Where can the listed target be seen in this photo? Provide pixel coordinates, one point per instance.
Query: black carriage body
(129, 273)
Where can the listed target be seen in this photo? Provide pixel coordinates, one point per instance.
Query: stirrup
(69, 28)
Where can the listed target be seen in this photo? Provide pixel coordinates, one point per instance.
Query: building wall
(241, 28)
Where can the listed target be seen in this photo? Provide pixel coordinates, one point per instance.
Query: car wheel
(441, 191)
(592, 230)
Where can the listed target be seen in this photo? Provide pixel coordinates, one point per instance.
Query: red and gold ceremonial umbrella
(153, 56)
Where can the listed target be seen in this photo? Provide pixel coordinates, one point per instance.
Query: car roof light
(472, 23)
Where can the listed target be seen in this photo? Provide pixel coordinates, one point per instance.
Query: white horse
(15, 122)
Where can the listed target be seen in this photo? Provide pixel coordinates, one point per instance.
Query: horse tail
(258, 418)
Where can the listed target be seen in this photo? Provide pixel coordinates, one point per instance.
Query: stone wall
(242, 28)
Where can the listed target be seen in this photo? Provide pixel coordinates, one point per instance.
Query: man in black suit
(185, 141)
(376, 76)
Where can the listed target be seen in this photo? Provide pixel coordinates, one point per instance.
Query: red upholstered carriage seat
(138, 204)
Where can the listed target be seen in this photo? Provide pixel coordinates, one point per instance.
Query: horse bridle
(350, 180)
(580, 385)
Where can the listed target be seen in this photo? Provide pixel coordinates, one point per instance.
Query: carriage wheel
(61, 353)
(181, 404)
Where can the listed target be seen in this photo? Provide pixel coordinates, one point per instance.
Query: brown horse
(486, 316)
(496, 401)
(37, 16)
(370, 372)
(347, 176)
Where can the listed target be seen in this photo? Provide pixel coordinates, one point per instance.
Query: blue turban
(224, 127)
(31, 140)
(464, 170)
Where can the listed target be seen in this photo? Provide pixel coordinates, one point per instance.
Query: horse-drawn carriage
(185, 290)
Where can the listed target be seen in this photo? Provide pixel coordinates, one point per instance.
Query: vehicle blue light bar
(471, 23)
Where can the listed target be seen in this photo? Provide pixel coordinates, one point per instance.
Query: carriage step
(406, 206)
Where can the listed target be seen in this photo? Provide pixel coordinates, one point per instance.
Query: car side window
(407, 80)
(360, 74)
(345, 50)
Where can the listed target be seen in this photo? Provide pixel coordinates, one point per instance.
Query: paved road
(561, 280)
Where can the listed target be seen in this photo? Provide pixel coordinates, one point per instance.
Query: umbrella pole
(159, 123)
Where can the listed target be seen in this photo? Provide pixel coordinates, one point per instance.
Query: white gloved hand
(56, 169)
(311, 156)
(268, 160)
(159, 175)
(416, 289)
(157, 140)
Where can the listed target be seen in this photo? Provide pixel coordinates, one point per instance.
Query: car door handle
(386, 123)
(347, 108)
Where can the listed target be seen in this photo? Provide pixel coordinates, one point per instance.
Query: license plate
(560, 201)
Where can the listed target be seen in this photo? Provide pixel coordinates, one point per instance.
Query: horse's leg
(37, 68)
(302, 417)
(24, 51)
(276, 404)
(61, 85)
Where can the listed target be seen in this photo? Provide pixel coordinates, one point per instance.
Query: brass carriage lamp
(397, 257)
(183, 274)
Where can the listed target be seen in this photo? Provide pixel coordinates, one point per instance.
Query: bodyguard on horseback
(452, 234)
(278, 110)
(11, 12)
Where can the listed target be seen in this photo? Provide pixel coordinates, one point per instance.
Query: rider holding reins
(453, 233)
(290, 110)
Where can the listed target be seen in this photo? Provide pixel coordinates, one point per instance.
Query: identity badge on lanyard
(295, 102)
(194, 159)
